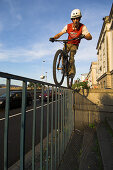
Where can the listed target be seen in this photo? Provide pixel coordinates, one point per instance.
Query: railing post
(52, 132)
(74, 107)
(56, 128)
(63, 120)
(34, 129)
(65, 117)
(6, 124)
(61, 126)
(41, 132)
(47, 145)
(23, 119)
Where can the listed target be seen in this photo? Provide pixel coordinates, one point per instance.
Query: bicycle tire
(69, 82)
(57, 57)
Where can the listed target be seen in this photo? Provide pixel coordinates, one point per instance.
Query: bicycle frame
(64, 69)
(65, 44)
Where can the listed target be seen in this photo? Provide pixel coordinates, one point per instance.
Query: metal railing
(55, 127)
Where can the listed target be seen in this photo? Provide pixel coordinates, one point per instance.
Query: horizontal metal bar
(16, 77)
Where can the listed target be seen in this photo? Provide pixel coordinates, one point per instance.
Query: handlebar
(64, 41)
(67, 40)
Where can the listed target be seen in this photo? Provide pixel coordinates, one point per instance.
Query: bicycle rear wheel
(69, 82)
(58, 70)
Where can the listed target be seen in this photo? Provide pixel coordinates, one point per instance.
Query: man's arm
(88, 36)
(58, 35)
(86, 33)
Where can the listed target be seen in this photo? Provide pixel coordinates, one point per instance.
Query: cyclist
(74, 30)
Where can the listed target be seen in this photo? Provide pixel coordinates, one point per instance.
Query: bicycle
(61, 65)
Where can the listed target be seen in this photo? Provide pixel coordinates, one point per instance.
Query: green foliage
(80, 85)
(31, 85)
(92, 125)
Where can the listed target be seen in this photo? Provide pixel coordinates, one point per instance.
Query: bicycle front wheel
(58, 70)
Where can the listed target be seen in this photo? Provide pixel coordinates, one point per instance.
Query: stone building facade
(91, 77)
(104, 48)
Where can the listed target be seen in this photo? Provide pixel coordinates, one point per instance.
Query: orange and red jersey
(74, 33)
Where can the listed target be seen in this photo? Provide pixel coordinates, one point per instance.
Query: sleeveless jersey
(74, 33)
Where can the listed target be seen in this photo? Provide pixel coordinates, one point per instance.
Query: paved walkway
(106, 146)
(81, 154)
(71, 157)
(89, 158)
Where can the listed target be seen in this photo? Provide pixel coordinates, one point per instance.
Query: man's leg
(73, 50)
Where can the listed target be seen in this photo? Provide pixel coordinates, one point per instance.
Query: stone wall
(100, 97)
(112, 80)
(86, 112)
(93, 106)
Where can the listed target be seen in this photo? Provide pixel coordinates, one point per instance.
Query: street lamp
(42, 76)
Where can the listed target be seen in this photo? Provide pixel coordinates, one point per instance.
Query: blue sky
(27, 25)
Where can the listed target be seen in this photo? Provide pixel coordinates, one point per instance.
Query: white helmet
(76, 13)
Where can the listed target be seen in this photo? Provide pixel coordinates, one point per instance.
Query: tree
(31, 85)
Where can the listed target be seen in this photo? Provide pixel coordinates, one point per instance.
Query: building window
(104, 84)
(100, 68)
(101, 85)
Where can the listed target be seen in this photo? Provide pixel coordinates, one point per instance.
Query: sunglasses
(75, 18)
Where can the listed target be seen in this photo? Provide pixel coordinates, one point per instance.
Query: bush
(80, 85)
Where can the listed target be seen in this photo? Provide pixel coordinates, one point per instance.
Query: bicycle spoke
(59, 69)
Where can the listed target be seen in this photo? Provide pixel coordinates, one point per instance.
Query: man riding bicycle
(74, 30)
